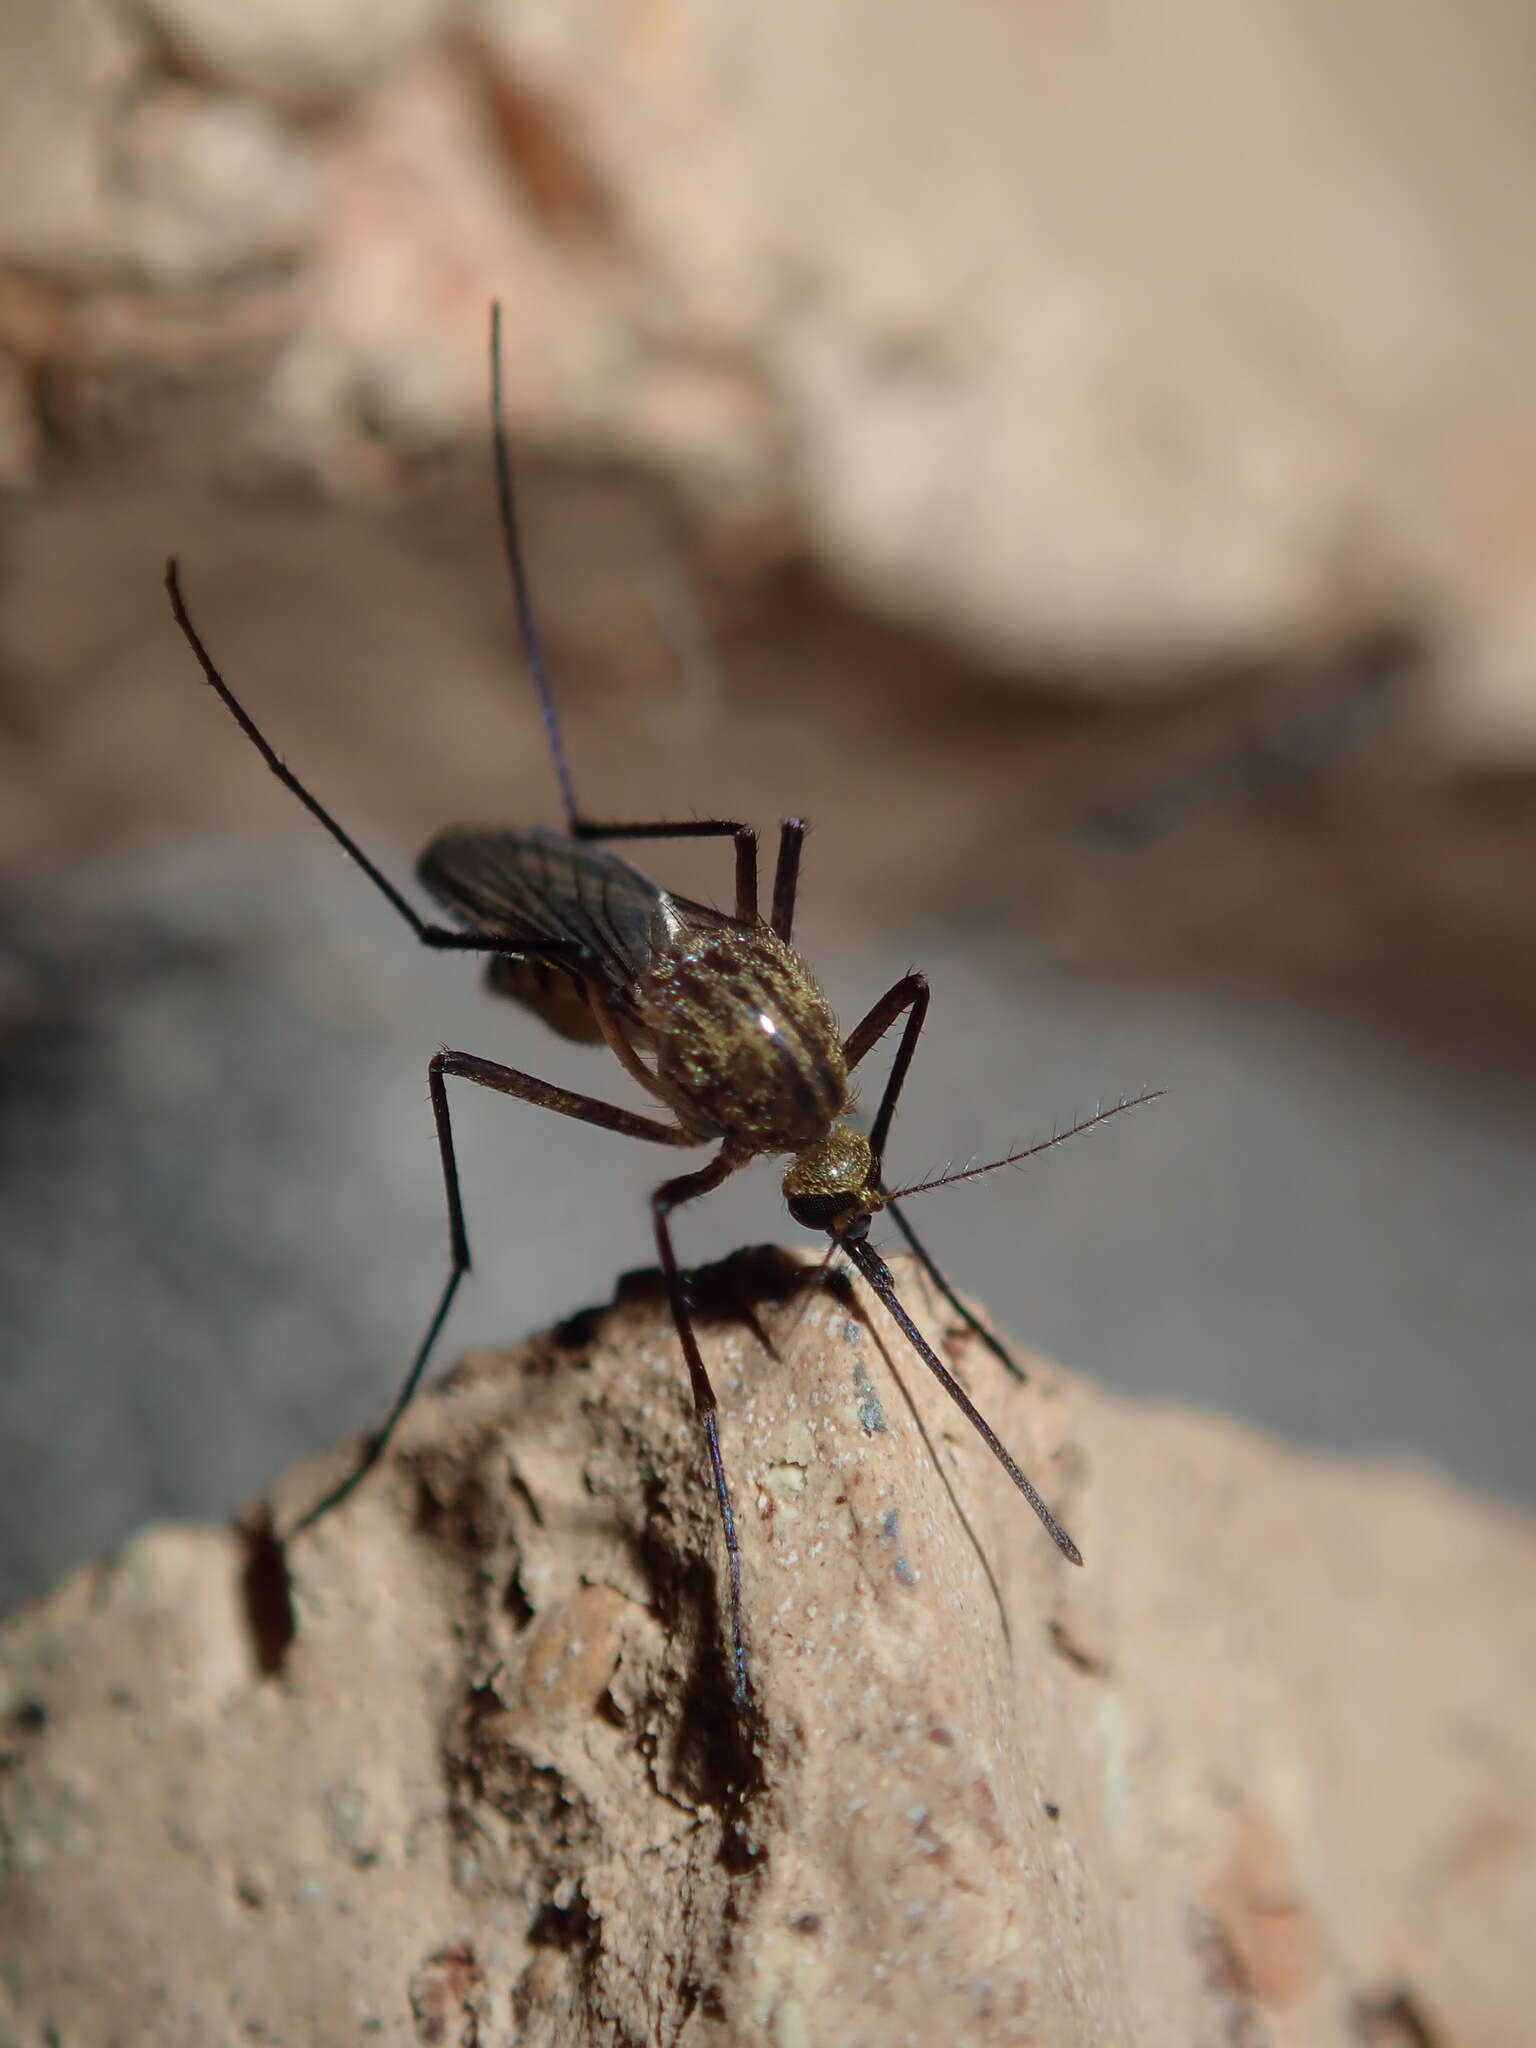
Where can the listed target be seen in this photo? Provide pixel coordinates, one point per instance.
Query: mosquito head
(830, 1185)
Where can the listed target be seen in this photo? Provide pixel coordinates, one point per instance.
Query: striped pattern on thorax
(746, 1046)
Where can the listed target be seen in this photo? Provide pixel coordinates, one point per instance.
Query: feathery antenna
(1100, 1116)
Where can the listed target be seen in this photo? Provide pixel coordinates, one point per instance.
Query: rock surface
(301, 53)
(461, 1766)
(1118, 342)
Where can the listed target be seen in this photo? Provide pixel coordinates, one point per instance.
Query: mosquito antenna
(968, 1316)
(877, 1273)
(527, 624)
(950, 1180)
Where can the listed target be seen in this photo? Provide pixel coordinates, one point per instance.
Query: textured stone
(63, 63)
(298, 52)
(210, 187)
(1263, 1771)
(112, 177)
(1122, 343)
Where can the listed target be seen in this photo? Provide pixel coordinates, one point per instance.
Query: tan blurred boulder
(1114, 338)
(146, 221)
(114, 175)
(462, 1768)
(1114, 342)
(300, 53)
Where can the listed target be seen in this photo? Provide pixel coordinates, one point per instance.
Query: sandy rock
(112, 177)
(1116, 342)
(63, 65)
(1118, 346)
(297, 52)
(462, 1766)
(211, 186)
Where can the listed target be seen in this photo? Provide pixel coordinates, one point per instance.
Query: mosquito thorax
(829, 1185)
(747, 1048)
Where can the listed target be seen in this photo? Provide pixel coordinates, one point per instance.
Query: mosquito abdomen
(746, 1045)
(557, 998)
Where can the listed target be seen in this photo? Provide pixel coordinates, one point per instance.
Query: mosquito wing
(548, 894)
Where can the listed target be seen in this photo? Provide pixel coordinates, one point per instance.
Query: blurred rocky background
(1085, 459)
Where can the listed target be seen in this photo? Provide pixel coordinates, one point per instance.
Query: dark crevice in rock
(267, 1592)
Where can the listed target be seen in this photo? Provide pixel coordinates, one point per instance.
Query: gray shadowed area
(223, 1223)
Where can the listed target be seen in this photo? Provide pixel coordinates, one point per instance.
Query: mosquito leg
(578, 826)
(526, 1088)
(691, 828)
(786, 877)
(909, 994)
(967, 1316)
(441, 936)
(669, 1196)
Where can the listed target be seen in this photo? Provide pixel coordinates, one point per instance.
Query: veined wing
(547, 893)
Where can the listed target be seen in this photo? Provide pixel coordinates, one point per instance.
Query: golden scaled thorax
(830, 1185)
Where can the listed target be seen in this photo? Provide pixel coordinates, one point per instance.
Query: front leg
(466, 1066)
(909, 994)
(669, 1196)
(690, 828)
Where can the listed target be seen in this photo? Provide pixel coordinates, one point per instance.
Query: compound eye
(823, 1212)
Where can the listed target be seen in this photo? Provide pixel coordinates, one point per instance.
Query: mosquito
(714, 1014)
